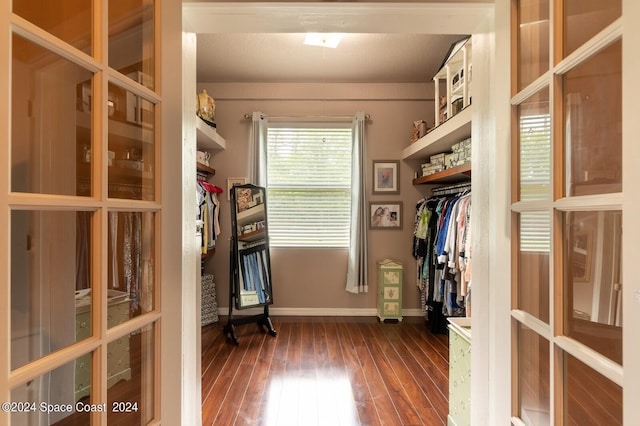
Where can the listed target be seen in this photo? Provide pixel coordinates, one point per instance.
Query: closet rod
(451, 188)
(344, 117)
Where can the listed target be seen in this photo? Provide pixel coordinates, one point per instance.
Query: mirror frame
(250, 260)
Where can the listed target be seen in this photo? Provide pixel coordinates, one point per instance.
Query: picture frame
(233, 181)
(386, 174)
(385, 215)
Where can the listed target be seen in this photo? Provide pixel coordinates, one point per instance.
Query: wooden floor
(326, 371)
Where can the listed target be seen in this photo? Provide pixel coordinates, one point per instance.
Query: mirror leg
(269, 326)
(230, 332)
(266, 322)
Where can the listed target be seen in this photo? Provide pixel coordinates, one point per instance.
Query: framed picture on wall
(385, 215)
(385, 176)
(233, 181)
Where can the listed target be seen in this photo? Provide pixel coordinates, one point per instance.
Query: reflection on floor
(326, 371)
(327, 397)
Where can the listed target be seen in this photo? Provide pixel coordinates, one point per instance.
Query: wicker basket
(209, 308)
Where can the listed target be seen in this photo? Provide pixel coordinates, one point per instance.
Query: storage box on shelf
(436, 144)
(442, 138)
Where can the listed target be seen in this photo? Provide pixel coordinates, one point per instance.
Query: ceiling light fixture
(323, 39)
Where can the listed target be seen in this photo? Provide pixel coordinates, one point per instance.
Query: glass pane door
(84, 318)
(566, 314)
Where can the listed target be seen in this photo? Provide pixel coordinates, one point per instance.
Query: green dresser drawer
(459, 374)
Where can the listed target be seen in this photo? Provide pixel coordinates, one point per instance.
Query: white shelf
(208, 138)
(442, 137)
(253, 214)
(252, 236)
(120, 129)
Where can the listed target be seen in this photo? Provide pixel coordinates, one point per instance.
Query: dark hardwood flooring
(326, 371)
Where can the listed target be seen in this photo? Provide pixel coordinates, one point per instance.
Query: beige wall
(315, 278)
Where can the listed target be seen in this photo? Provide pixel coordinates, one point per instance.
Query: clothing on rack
(208, 213)
(130, 258)
(442, 247)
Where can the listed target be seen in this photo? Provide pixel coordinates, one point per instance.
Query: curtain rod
(366, 116)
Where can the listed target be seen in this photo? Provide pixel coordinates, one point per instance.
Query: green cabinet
(118, 362)
(459, 372)
(389, 290)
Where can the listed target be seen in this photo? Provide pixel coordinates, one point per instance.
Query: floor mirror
(250, 263)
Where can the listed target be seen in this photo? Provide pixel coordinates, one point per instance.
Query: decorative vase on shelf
(206, 107)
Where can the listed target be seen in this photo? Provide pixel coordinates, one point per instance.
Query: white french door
(567, 212)
(83, 212)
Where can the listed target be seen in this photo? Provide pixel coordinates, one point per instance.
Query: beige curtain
(258, 150)
(357, 266)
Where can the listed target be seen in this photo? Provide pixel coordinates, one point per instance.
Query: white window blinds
(535, 180)
(535, 157)
(309, 184)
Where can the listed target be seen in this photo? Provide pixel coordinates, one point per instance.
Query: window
(309, 184)
(535, 170)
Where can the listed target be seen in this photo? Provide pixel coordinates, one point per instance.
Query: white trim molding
(295, 17)
(318, 312)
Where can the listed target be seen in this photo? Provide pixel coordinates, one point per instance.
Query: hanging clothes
(441, 246)
(209, 213)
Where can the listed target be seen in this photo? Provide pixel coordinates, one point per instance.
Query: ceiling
(384, 42)
(282, 57)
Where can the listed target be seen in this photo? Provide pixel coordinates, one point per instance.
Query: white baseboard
(318, 312)
(413, 313)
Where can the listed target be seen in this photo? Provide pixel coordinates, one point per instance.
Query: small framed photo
(258, 198)
(233, 181)
(385, 215)
(385, 176)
